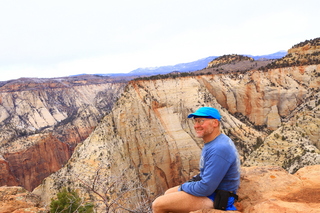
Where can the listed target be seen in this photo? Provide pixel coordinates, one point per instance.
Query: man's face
(204, 127)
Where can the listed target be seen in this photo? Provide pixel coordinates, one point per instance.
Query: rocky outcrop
(302, 54)
(272, 189)
(228, 59)
(307, 48)
(18, 200)
(233, 64)
(42, 120)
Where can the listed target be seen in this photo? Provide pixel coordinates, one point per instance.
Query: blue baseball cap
(207, 112)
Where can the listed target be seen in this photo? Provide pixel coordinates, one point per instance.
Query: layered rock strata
(42, 120)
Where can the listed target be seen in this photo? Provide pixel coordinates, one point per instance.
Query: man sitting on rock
(219, 178)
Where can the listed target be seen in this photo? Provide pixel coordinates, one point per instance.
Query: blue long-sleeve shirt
(219, 168)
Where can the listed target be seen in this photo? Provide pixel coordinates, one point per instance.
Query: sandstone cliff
(6, 176)
(42, 120)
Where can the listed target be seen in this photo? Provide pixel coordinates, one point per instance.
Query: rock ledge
(271, 189)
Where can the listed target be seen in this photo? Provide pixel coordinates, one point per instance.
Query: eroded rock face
(6, 176)
(272, 189)
(32, 165)
(42, 120)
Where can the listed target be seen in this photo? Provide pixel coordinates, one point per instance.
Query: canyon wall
(42, 120)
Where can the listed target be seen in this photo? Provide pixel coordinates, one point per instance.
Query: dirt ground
(309, 195)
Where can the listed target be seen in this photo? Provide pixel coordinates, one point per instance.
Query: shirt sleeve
(214, 171)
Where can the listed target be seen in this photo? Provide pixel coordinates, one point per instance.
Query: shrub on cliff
(70, 202)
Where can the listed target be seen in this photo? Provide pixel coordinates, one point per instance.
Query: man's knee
(157, 204)
(171, 190)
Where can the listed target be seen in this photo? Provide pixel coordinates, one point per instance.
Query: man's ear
(216, 122)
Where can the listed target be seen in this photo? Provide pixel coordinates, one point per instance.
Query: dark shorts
(211, 197)
(230, 202)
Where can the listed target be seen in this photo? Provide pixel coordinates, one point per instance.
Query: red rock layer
(6, 176)
(31, 166)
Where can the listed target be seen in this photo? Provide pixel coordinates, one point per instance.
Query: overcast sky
(56, 38)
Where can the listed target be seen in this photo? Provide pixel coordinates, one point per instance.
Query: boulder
(270, 189)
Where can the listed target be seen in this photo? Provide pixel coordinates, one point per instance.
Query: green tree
(69, 202)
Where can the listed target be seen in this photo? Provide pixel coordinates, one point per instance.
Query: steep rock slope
(6, 176)
(42, 120)
(295, 144)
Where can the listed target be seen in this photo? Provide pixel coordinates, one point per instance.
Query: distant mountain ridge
(275, 55)
(183, 67)
(192, 66)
